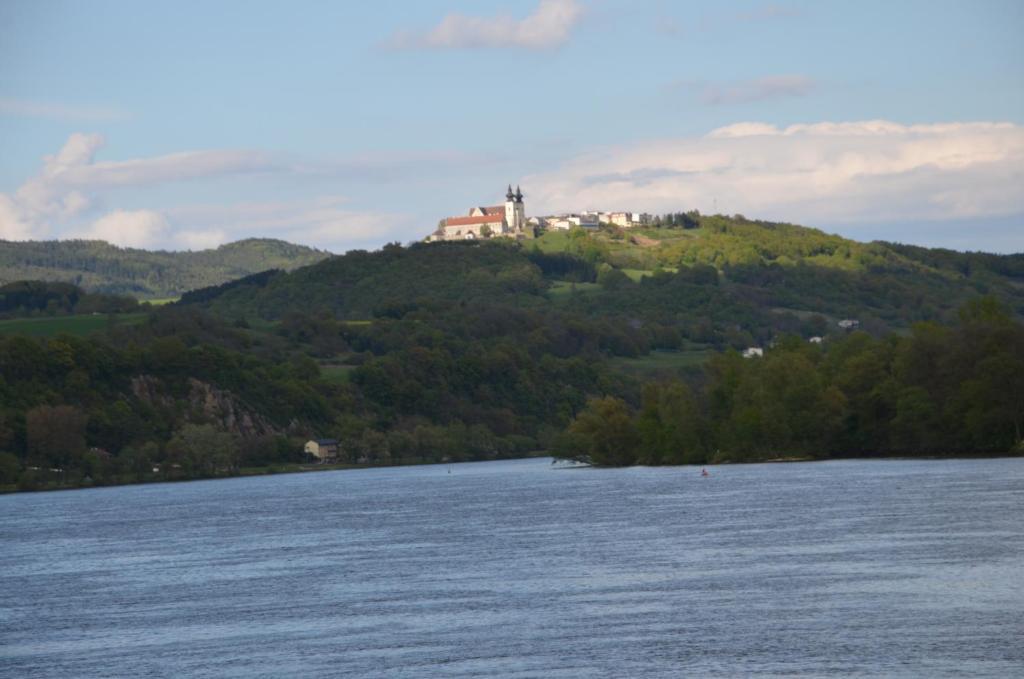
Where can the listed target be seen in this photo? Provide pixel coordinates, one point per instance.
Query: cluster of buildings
(509, 221)
(592, 220)
(505, 221)
(847, 324)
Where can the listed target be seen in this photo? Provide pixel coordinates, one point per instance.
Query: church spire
(519, 194)
(509, 195)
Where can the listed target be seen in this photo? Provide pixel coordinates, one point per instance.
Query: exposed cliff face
(151, 390)
(205, 403)
(221, 408)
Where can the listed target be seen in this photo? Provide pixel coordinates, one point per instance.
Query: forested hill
(730, 282)
(98, 266)
(612, 347)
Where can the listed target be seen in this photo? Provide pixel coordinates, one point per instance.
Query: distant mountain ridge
(98, 266)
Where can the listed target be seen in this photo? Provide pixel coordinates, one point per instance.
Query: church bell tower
(515, 213)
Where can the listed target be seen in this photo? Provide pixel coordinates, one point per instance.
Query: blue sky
(341, 125)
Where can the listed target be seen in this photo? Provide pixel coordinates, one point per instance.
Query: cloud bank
(548, 27)
(65, 189)
(862, 176)
(130, 229)
(849, 172)
(65, 198)
(325, 221)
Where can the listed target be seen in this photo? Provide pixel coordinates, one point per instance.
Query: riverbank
(302, 468)
(52, 481)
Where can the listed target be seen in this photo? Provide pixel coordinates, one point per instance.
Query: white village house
(626, 219)
(585, 220)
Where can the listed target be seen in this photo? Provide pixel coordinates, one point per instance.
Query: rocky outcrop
(217, 406)
(151, 390)
(205, 403)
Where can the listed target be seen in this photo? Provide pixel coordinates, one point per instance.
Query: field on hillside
(72, 325)
(560, 289)
(663, 362)
(337, 374)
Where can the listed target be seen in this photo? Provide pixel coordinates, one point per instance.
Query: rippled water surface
(512, 569)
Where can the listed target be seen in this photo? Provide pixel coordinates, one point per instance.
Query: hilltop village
(509, 221)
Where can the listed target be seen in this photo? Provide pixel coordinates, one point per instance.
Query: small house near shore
(322, 450)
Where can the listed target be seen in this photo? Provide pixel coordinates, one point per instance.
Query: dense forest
(940, 390)
(42, 298)
(100, 267)
(458, 351)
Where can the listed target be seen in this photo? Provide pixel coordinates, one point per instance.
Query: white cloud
(40, 109)
(325, 222)
(14, 223)
(855, 172)
(130, 229)
(173, 167)
(69, 188)
(65, 187)
(547, 27)
(758, 89)
(201, 240)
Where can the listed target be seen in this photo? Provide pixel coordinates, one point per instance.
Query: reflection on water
(896, 568)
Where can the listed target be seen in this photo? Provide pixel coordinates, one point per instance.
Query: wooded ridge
(98, 266)
(587, 345)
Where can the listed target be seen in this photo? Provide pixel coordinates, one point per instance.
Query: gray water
(514, 569)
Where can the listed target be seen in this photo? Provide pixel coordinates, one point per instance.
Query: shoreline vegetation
(938, 390)
(244, 472)
(304, 468)
(584, 345)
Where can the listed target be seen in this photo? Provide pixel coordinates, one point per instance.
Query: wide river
(515, 569)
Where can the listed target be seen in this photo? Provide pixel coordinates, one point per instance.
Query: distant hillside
(98, 266)
(729, 282)
(611, 347)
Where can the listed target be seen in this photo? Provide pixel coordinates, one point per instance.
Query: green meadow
(566, 288)
(663, 362)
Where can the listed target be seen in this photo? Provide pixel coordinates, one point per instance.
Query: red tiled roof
(482, 219)
(494, 210)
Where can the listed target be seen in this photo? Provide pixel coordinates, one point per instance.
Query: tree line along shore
(584, 346)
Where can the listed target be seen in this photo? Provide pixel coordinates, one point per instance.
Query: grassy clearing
(663, 362)
(553, 241)
(160, 301)
(636, 274)
(72, 325)
(337, 374)
(560, 289)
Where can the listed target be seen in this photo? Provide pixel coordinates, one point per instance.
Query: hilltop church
(507, 221)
